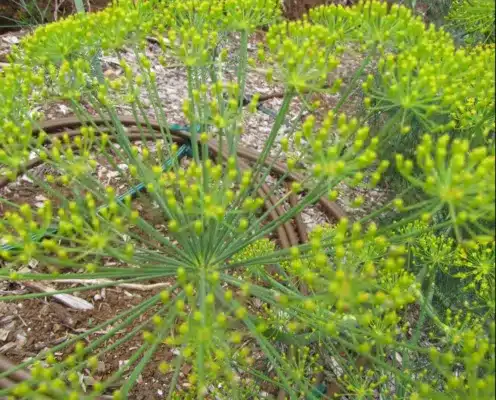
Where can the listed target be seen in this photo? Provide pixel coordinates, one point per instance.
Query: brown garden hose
(59, 126)
(287, 234)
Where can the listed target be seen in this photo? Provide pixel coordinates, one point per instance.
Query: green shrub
(361, 282)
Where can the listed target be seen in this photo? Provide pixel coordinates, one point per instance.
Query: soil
(42, 323)
(37, 325)
(295, 9)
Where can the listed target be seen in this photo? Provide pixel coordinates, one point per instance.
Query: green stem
(311, 198)
(177, 369)
(242, 65)
(416, 336)
(148, 355)
(278, 123)
(193, 127)
(351, 86)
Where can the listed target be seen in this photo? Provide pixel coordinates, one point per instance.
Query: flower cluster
(109, 29)
(477, 270)
(423, 79)
(460, 178)
(303, 53)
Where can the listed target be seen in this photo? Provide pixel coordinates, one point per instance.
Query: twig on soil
(23, 322)
(41, 345)
(66, 299)
(132, 286)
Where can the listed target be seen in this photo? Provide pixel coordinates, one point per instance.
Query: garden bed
(167, 237)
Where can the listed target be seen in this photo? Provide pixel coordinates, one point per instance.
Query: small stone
(101, 367)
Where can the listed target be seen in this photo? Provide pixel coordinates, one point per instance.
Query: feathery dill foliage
(475, 18)
(361, 280)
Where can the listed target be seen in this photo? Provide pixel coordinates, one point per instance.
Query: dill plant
(361, 283)
(475, 19)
